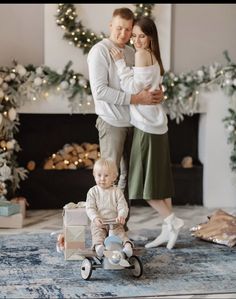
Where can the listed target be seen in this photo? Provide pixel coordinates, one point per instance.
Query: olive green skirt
(150, 174)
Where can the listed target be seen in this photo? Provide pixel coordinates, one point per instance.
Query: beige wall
(21, 33)
(200, 34)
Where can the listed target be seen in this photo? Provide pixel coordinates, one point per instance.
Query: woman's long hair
(149, 28)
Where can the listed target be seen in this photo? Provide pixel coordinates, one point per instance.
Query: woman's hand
(116, 54)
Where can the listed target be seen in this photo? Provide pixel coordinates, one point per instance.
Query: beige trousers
(115, 143)
(99, 234)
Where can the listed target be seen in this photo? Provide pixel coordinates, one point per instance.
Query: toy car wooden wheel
(86, 269)
(136, 266)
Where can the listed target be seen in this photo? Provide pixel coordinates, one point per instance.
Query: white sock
(99, 250)
(128, 250)
(177, 224)
(162, 238)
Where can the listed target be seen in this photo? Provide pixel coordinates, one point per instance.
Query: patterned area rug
(30, 267)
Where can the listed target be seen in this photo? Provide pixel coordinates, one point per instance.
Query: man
(111, 103)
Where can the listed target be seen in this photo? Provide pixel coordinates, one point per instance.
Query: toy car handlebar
(109, 221)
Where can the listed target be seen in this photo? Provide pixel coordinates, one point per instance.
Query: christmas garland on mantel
(20, 84)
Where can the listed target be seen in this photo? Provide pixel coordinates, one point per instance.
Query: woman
(150, 176)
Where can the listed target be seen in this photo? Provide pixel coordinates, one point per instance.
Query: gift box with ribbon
(12, 221)
(23, 204)
(8, 208)
(75, 214)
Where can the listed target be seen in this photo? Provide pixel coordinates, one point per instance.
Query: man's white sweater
(111, 103)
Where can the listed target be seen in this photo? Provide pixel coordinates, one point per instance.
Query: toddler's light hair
(108, 164)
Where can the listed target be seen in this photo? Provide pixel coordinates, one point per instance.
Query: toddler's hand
(120, 219)
(116, 54)
(98, 222)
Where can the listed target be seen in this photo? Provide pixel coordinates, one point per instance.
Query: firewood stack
(73, 156)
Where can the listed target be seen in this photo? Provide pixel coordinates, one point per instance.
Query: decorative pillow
(221, 229)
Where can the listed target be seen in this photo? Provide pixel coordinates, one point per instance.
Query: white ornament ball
(72, 81)
(7, 78)
(13, 76)
(12, 114)
(64, 84)
(39, 70)
(5, 171)
(230, 128)
(20, 70)
(38, 81)
(4, 86)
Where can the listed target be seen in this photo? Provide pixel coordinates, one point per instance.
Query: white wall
(200, 34)
(219, 182)
(21, 33)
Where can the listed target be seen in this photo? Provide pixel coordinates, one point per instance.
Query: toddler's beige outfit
(106, 204)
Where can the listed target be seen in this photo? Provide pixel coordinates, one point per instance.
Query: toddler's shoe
(99, 250)
(128, 250)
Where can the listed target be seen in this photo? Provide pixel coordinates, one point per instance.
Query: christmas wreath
(82, 37)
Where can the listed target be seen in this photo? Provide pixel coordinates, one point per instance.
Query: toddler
(106, 201)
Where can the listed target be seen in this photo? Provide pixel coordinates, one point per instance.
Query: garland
(20, 84)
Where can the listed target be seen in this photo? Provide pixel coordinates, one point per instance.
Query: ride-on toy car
(114, 257)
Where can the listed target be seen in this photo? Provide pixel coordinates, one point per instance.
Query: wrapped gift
(23, 204)
(13, 221)
(73, 242)
(8, 208)
(75, 214)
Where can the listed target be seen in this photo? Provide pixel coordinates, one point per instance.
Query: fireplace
(40, 135)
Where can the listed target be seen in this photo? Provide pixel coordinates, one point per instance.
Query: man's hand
(98, 222)
(146, 97)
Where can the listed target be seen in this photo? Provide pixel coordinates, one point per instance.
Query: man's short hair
(124, 13)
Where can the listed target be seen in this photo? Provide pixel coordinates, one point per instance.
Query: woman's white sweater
(148, 118)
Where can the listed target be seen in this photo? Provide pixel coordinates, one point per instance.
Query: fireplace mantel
(57, 104)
